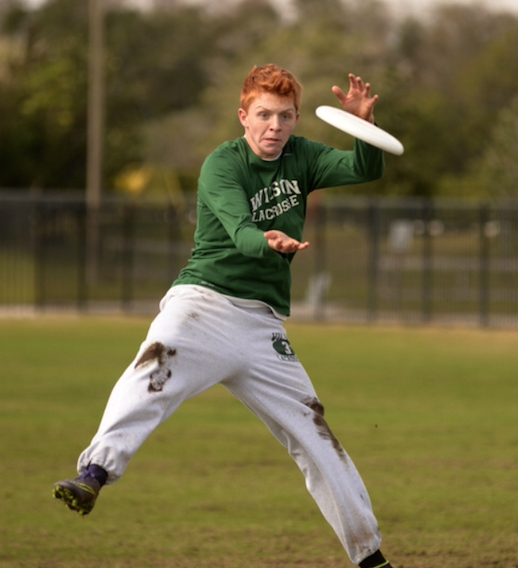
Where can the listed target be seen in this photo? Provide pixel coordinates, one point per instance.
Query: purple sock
(97, 472)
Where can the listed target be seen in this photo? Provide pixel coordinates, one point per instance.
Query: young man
(222, 320)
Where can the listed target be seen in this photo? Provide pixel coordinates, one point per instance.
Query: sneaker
(78, 494)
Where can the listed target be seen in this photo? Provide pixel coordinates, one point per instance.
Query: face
(268, 123)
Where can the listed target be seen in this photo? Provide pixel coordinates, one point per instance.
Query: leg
(185, 353)
(278, 390)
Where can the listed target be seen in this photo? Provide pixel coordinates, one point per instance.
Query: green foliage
(173, 78)
(495, 175)
(427, 415)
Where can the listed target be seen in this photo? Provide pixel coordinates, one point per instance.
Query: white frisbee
(359, 128)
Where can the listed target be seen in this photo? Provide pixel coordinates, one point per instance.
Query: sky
(415, 7)
(400, 7)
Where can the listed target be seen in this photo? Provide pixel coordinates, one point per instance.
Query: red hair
(270, 79)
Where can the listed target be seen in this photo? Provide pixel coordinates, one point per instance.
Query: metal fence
(377, 261)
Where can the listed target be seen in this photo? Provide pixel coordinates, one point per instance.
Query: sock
(376, 560)
(97, 472)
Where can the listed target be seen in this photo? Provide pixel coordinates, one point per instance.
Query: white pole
(95, 104)
(95, 137)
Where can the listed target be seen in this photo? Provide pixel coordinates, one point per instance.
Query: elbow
(378, 174)
(379, 169)
(374, 173)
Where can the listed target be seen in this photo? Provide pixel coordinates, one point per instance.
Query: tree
(47, 82)
(452, 77)
(496, 173)
(173, 78)
(153, 65)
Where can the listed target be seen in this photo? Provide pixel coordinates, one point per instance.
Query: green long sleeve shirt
(240, 196)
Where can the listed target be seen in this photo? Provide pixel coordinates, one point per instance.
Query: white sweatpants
(200, 339)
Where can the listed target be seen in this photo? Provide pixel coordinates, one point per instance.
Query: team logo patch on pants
(281, 344)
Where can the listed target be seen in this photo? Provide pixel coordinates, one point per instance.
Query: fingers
(356, 83)
(358, 100)
(356, 87)
(280, 242)
(342, 97)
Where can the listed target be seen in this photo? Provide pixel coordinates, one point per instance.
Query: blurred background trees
(448, 86)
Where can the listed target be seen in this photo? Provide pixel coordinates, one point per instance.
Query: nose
(275, 123)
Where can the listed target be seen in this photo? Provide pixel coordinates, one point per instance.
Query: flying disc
(359, 128)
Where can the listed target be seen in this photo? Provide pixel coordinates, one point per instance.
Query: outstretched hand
(280, 242)
(358, 100)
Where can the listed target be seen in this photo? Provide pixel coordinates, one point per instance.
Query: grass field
(429, 416)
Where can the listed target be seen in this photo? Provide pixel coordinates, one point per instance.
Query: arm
(225, 219)
(365, 163)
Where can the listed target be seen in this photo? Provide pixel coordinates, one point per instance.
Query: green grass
(429, 416)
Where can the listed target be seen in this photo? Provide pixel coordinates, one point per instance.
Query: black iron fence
(414, 261)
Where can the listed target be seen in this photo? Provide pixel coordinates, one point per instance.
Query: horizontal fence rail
(372, 260)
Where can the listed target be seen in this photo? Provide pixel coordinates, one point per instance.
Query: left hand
(280, 242)
(358, 100)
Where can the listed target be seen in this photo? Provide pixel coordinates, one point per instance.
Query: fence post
(128, 250)
(39, 253)
(427, 261)
(373, 227)
(93, 240)
(320, 262)
(82, 286)
(484, 265)
(174, 242)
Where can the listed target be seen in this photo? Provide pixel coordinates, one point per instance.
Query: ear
(243, 117)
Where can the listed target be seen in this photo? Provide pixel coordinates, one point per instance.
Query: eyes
(284, 117)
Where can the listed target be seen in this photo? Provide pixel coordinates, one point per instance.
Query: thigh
(187, 350)
(274, 385)
(277, 389)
